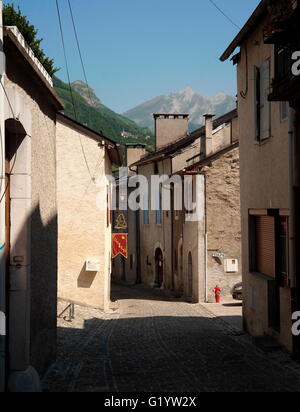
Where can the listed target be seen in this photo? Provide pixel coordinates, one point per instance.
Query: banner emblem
(120, 245)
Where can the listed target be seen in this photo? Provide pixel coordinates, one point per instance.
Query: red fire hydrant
(217, 291)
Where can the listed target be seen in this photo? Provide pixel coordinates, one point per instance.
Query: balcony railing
(281, 13)
(285, 85)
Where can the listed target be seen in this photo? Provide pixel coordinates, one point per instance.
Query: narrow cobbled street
(152, 343)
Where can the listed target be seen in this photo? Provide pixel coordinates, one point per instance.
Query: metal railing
(70, 309)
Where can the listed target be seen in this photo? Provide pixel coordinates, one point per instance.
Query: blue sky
(135, 50)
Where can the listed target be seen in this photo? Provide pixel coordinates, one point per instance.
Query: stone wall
(154, 236)
(223, 220)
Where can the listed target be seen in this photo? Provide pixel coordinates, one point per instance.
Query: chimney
(134, 154)
(170, 127)
(208, 134)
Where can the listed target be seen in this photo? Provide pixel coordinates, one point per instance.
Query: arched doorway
(190, 278)
(180, 268)
(159, 268)
(17, 239)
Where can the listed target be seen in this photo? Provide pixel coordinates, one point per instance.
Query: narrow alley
(153, 343)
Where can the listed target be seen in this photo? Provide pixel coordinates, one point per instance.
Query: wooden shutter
(265, 108)
(265, 245)
(257, 102)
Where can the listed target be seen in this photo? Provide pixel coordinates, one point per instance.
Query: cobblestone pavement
(153, 343)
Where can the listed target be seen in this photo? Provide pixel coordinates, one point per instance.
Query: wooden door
(159, 263)
(190, 277)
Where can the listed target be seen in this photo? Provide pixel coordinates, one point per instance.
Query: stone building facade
(129, 270)
(189, 257)
(267, 133)
(212, 248)
(31, 214)
(221, 226)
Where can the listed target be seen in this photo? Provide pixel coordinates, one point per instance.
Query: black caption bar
(133, 401)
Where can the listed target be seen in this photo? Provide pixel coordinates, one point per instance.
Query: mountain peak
(87, 93)
(101, 119)
(183, 101)
(79, 83)
(187, 93)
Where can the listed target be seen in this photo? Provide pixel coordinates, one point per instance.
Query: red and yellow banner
(120, 245)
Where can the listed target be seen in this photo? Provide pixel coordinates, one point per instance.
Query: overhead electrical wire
(70, 86)
(80, 53)
(66, 59)
(100, 161)
(224, 14)
(1, 137)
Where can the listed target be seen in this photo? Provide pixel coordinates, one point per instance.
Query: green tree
(13, 17)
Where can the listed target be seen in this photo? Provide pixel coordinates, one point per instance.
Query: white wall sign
(219, 255)
(2, 324)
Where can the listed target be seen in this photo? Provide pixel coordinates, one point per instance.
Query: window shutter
(159, 208)
(265, 108)
(257, 102)
(146, 210)
(265, 245)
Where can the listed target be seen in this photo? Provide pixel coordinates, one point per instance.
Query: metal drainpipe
(2, 215)
(138, 241)
(291, 198)
(205, 239)
(292, 222)
(206, 266)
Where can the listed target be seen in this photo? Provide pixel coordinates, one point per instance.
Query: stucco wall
(264, 178)
(82, 227)
(179, 162)
(21, 84)
(133, 155)
(221, 137)
(169, 130)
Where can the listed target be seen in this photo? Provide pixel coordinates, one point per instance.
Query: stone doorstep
(267, 344)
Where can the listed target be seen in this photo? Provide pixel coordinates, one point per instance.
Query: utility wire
(71, 91)
(224, 14)
(80, 53)
(66, 59)
(2, 148)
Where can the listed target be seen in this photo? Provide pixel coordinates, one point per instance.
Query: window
(159, 207)
(269, 256)
(282, 62)
(283, 111)
(190, 195)
(283, 251)
(269, 246)
(132, 261)
(146, 217)
(109, 206)
(265, 245)
(175, 261)
(262, 104)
